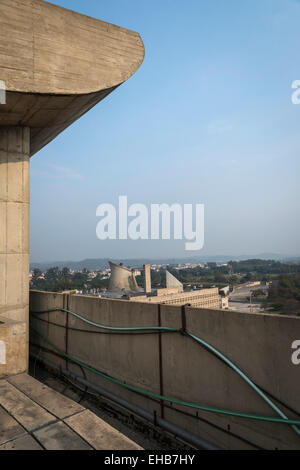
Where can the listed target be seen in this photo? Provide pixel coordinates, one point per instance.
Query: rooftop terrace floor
(35, 417)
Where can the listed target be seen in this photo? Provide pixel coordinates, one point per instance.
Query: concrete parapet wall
(258, 344)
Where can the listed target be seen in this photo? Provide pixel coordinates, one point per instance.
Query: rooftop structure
(123, 285)
(204, 298)
(172, 282)
(122, 279)
(55, 65)
(220, 380)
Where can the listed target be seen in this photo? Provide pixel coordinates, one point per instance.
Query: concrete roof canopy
(57, 64)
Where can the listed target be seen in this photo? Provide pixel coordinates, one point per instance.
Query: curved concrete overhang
(58, 64)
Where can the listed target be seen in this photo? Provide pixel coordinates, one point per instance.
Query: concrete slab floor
(35, 417)
(147, 436)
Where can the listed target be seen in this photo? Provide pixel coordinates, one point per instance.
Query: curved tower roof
(122, 279)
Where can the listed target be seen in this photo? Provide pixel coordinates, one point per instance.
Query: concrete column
(147, 278)
(14, 223)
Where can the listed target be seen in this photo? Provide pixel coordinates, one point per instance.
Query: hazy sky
(208, 118)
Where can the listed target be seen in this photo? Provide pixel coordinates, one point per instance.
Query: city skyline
(208, 119)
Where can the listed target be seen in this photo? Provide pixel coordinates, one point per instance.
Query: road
(239, 298)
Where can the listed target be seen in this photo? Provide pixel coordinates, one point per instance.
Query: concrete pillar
(14, 223)
(147, 278)
(46, 93)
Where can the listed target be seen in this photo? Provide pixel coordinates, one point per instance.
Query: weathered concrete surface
(35, 417)
(98, 433)
(58, 436)
(22, 443)
(57, 64)
(122, 279)
(28, 413)
(14, 238)
(59, 405)
(259, 344)
(9, 427)
(14, 222)
(13, 346)
(134, 359)
(147, 278)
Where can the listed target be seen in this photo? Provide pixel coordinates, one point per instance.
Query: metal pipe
(160, 359)
(172, 428)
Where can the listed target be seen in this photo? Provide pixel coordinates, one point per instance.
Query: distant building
(224, 297)
(122, 280)
(204, 298)
(123, 285)
(172, 282)
(224, 302)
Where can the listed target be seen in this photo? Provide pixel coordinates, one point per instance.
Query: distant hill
(102, 263)
(95, 264)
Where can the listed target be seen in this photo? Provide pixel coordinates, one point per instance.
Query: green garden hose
(283, 419)
(111, 328)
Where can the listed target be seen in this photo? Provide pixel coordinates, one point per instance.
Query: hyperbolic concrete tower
(55, 65)
(122, 279)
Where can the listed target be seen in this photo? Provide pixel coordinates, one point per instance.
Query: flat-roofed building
(204, 298)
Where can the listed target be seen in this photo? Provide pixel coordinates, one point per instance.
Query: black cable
(158, 402)
(161, 332)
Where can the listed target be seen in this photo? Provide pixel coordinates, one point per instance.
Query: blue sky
(208, 118)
